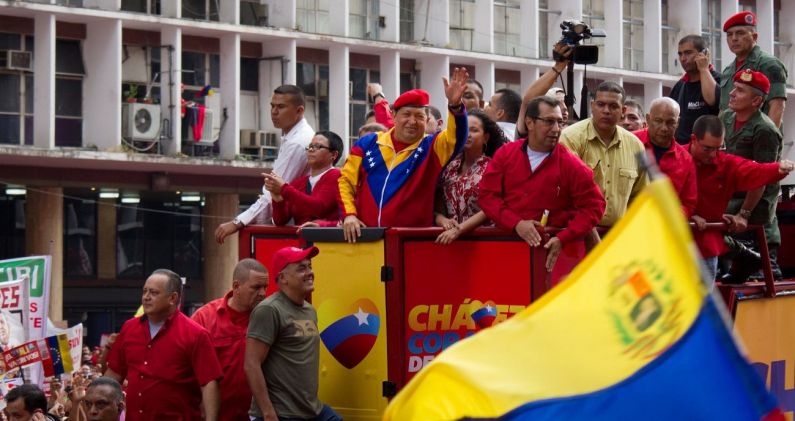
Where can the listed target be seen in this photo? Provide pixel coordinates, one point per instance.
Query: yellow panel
(348, 282)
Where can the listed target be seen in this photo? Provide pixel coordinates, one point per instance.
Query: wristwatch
(377, 95)
(745, 213)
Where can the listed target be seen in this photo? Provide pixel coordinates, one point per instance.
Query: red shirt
(227, 329)
(717, 182)
(303, 207)
(678, 165)
(164, 374)
(383, 114)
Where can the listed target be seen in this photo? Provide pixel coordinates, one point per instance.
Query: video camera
(574, 32)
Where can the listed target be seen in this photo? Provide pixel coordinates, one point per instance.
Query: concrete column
(219, 259)
(577, 91)
(483, 38)
(390, 10)
(102, 84)
(171, 9)
(44, 81)
(612, 54)
(682, 15)
(338, 16)
(764, 24)
(432, 21)
(652, 36)
(485, 72)
(281, 13)
(433, 68)
(651, 89)
(338, 92)
(528, 75)
(106, 239)
(229, 12)
(528, 32)
(44, 235)
(229, 145)
(389, 67)
(170, 87)
(727, 8)
(272, 74)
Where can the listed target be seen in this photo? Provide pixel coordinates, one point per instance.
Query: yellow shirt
(615, 168)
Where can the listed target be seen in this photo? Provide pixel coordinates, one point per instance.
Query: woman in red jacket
(312, 196)
(457, 209)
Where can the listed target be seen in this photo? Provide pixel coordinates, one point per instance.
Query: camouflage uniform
(760, 61)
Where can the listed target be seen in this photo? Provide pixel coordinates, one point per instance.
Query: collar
(225, 303)
(592, 135)
(389, 141)
(321, 174)
(686, 77)
(298, 127)
(169, 319)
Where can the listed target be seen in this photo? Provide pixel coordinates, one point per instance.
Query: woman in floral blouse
(457, 200)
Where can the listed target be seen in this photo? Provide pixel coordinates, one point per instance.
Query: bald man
(673, 159)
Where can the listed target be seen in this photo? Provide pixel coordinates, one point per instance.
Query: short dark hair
(496, 135)
(372, 128)
(32, 396)
(534, 106)
(510, 102)
(173, 283)
(699, 43)
(334, 143)
(244, 267)
(117, 396)
(478, 85)
(369, 114)
(610, 86)
(435, 112)
(637, 105)
(708, 124)
(297, 95)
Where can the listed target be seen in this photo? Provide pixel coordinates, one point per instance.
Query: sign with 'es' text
(37, 270)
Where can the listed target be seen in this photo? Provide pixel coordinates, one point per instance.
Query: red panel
(266, 240)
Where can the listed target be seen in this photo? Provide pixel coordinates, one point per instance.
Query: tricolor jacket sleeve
(450, 141)
(349, 178)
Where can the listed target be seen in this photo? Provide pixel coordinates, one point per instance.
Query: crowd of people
(519, 162)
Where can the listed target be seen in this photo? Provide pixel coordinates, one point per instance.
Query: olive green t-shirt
(292, 365)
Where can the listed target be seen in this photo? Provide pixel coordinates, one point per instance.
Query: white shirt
(509, 129)
(290, 164)
(536, 158)
(313, 179)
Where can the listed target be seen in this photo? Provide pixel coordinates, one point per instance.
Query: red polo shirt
(717, 182)
(227, 329)
(164, 373)
(678, 165)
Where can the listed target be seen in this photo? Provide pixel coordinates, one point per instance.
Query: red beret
(740, 19)
(753, 78)
(412, 98)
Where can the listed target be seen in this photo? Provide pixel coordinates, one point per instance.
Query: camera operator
(562, 55)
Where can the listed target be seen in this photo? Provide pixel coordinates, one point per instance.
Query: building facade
(116, 159)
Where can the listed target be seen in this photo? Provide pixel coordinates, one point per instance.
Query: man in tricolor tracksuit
(389, 178)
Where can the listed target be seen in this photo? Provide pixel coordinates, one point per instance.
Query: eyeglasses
(316, 146)
(551, 121)
(722, 147)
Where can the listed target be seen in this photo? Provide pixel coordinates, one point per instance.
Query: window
(462, 24)
(407, 21)
(80, 236)
(543, 29)
(69, 71)
(16, 105)
(780, 49)
(12, 225)
(249, 74)
(312, 16)
(363, 20)
(253, 13)
(313, 79)
(198, 70)
(158, 233)
(200, 9)
(593, 13)
(712, 29)
(358, 101)
(507, 21)
(633, 35)
(141, 6)
(669, 40)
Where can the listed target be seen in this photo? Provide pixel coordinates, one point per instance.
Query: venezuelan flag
(631, 334)
(58, 347)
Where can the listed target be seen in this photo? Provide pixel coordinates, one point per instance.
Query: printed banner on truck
(37, 270)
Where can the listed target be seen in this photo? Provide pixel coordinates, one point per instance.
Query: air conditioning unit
(207, 138)
(252, 138)
(140, 122)
(17, 60)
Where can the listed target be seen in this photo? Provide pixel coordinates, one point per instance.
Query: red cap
(753, 78)
(740, 19)
(287, 255)
(412, 98)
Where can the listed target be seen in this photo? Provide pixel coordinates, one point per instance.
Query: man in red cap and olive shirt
(390, 178)
(752, 135)
(282, 359)
(741, 36)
